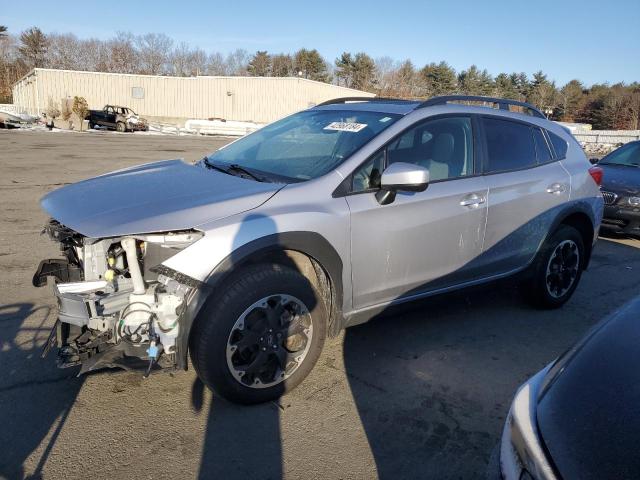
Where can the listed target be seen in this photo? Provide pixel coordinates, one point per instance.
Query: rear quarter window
(509, 145)
(559, 145)
(542, 148)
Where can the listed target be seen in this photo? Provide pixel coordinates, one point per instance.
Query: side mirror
(401, 177)
(594, 160)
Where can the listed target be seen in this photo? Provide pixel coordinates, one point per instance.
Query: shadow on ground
(35, 397)
(433, 382)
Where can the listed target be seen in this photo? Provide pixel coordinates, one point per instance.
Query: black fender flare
(581, 207)
(311, 244)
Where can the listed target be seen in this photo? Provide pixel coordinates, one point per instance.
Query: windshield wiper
(237, 168)
(215, 167)
(234, 167)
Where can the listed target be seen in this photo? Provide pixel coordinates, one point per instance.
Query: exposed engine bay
(117, 306)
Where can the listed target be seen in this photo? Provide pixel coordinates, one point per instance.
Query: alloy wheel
(562, 269)
(269, 341)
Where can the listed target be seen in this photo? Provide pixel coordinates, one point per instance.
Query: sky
(590, 40)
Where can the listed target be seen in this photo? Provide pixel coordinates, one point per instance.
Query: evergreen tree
(33, 47)
(260, 64)
(311, 65)
(571, 97)
(440, 79)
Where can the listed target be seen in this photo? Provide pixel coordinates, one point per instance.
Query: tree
(282, 65)
(440, 79)
(53, 111)
(122, 56)
(358, 71)
(80, 108)
(475, 82)
(66, 110)
(188, 62)
(33, 47)
(571, 96)
(237, 62)
(505, 86)
(543, 93)
(364, 72)
(153, 52)
(216, 64)
(521, 84)
(3, 31)
(63, 52)
(344, 68)
(311, 65)
(260, 64)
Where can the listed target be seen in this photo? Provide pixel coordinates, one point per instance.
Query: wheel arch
(308, 252)
(579, 219)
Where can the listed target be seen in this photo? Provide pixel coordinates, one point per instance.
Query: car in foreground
(122, 119)
(248, 259)
(621, 190)
(579, 418)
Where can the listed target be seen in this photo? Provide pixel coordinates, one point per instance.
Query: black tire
(549, 284)
(212, 331)
(92, 125)
(121, 127)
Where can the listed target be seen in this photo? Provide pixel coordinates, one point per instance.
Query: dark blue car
(621, 190)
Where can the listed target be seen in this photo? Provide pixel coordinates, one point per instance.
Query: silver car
(250, 258)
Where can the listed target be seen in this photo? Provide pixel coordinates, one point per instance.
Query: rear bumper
(622, 220)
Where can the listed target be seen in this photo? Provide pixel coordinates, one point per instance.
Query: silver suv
(248, 259)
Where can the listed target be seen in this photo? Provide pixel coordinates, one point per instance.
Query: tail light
(596, 173)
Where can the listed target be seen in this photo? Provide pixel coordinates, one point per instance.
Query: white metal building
(257, 99)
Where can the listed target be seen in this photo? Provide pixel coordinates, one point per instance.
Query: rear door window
(509, 145)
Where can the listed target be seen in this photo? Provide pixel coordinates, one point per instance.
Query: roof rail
(503, 103)
(363, 99)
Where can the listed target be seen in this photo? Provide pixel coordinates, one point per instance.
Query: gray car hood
(155, 197)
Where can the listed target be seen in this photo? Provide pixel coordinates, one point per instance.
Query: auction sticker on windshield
(345, 126)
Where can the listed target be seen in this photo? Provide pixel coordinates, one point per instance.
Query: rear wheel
(260, 337)
(557, 269)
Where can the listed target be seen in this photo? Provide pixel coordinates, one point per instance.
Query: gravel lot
(420, 393)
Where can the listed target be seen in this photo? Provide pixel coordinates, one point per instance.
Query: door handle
(473, 200)
(556, 188)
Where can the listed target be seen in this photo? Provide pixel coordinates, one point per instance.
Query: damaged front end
(117, 305)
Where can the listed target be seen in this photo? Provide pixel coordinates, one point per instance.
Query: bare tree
(216, 64)
(187, 62)
(153, 52)
(121, 55)
(63, 51)
(237, 62)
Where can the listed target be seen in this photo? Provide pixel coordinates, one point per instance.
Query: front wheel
(261, 336)
(121, 127)
(557, 269)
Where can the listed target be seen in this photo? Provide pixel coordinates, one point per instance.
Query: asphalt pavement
(419, 393)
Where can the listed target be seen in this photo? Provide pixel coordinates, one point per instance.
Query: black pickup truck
(123, 119)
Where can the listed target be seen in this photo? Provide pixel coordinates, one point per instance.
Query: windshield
(628, 155)
(305, 145)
